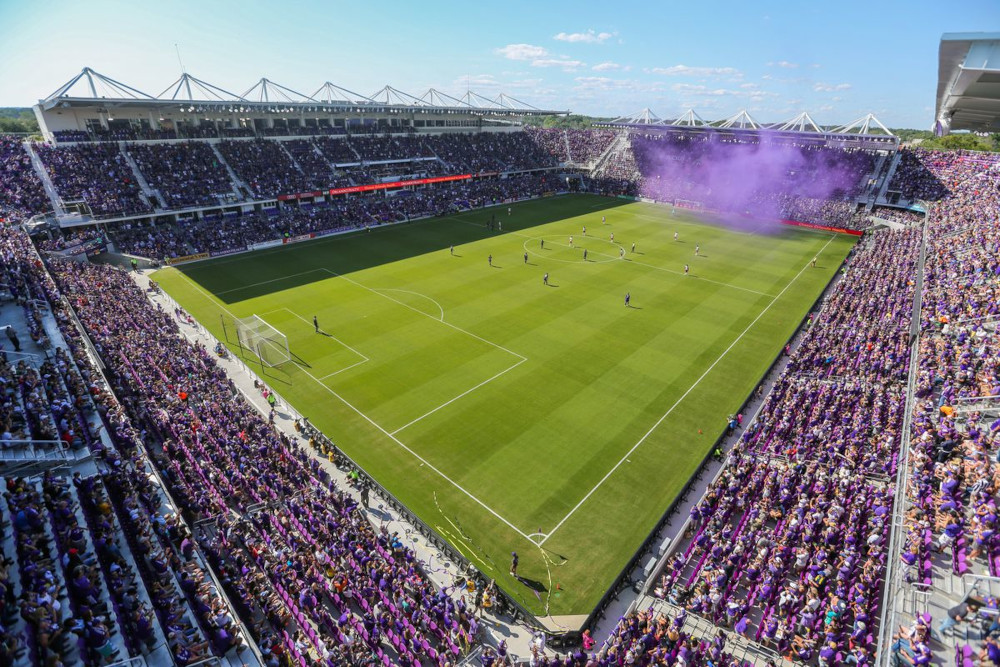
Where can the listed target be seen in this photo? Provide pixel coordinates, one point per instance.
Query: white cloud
(608, 67)
(828, 88)
(749, 86)
(695, 89)
(784, 64)
(815, 66)
(589, 37)
(684, 70)
(477, 80)
(522, 52)
(561, 61)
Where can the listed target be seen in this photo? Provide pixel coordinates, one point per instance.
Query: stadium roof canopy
(865, 132)
(91, 88)
(968, 93)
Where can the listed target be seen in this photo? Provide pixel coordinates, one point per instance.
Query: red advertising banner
(296, 239)
(397, 184)
(810, 225)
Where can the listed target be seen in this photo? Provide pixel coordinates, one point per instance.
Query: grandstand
(169, 503)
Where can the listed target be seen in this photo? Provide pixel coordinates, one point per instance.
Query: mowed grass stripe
(533, 441)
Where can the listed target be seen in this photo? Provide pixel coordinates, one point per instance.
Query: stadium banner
(398, 184)
(825, 228)
(301, 195)
(231, 251)
(296, 239)
(338, 230)
(185, 258)
(628, 197)
(647, 200)
(548, 194)
(265, 244)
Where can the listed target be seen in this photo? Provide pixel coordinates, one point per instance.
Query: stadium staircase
(569, 153)
(620, 142)
(326, 160)
(239, 187)
(295, 163)
(151, 195)
(884, 185)
(43, 175)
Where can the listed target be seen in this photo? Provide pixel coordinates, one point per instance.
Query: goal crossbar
(269, 345)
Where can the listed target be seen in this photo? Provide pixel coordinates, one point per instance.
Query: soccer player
(545, 279)
(814, 262)
(500, 225)
(612, 237)
(585, 254)
(508, 210)
(490, 260)
(628, 299)
(571, 242)
(585, 230)
(621, 252)
(697, 249)
(543, 244)
(604, 220)
(525, 258)
(513, 563)
(633, 246)
(315, 324)
(453, 250)
(675, 236)
(686, 269)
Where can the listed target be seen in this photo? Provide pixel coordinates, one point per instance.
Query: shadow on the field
(241, 277)
(533, 585)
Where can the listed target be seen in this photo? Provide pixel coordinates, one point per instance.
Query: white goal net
(263, 340)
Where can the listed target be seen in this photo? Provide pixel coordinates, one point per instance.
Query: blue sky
(836, 60)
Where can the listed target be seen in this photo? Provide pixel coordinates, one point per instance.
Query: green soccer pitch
(550, 420)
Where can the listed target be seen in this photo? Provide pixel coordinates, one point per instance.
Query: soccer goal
(689, 204)
(262, 340)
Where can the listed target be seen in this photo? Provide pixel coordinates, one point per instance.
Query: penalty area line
(378, 427)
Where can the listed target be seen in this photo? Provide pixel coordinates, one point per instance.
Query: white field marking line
(447, 324)
(678, 402)
(342, 370)
(707, 280)
(534, 253)
(265, 282)
(406, 291)
(464, 393)
(389, 435)
(292, 312)
(635, 261)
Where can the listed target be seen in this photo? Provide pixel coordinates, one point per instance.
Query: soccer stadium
(325, 379)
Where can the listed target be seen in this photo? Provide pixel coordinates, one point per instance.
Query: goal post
(689, 204)
(262, 340)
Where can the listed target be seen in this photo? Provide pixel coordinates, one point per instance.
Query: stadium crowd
(186, 174)
(97, 174)
(21, 192)
(237, 232)
(955, 435)
(787, 547)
